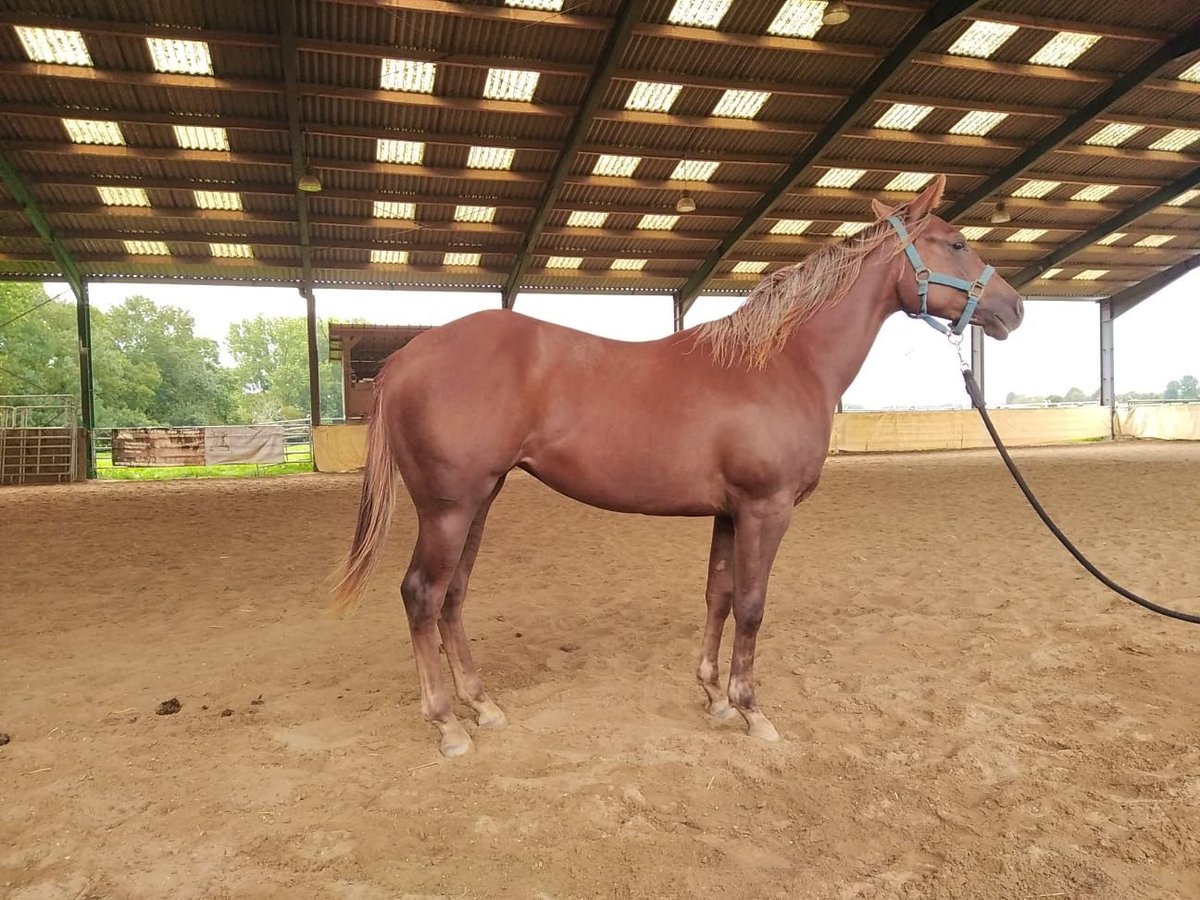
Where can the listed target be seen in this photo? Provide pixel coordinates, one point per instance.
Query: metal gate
(38, 439)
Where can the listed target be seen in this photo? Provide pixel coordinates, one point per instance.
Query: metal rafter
(938, 15)
(628, 16)
(1089, 237)
(1125, 300)
(1182, 44)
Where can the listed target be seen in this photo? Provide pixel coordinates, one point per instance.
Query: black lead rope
(978, 402)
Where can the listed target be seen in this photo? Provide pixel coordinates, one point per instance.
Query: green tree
(1189, 388)
(39, 351)
(1172, 391)
(1075, 395)
(151, 368)
(271, 367)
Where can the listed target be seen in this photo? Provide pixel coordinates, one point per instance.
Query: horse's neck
(834, 343)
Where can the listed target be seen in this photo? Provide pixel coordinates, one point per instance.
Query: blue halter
(973, 290)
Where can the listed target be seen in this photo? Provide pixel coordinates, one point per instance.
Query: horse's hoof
(723, 713)
(764, 731)
(491, 716)
(452, 747)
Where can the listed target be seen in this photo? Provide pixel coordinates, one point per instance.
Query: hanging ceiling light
(1000, 214)
(309, 183)
(685, 204)
(836, 13)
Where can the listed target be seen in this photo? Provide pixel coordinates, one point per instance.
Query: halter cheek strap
(973, 289)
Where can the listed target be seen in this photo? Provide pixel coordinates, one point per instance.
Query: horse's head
(943, 278)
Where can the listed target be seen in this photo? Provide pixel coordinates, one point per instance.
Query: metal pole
(977, 360)
(314, 373)
(87, 391)
(678, 307)
(1108, 390)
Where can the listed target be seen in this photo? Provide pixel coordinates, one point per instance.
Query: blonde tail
(374, 515)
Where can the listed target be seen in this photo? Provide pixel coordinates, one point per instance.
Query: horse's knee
(418, 600)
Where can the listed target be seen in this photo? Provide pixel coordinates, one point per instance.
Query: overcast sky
(911, 365)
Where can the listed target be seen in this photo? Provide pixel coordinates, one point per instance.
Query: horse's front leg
(718, 597)
(759, 528)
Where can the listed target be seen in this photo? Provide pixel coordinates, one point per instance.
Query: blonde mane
(790, 296)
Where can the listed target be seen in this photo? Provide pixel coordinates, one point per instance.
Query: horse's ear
(927, 201)
(881, 211)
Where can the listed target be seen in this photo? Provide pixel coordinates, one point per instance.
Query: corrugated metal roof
(342, 112)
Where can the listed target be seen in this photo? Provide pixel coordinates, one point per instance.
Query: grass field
(106, 470)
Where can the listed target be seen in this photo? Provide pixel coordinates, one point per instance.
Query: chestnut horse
(730, 420)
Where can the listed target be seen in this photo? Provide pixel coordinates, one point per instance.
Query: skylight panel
(1063, 49)
(849, 229)
(410, 153)
(1025, 235)
(179, 56)
(841, 178)
(510, 84)
(390, 257)
(1036, 188)
(749, 268)
(628, 265)
(1114, 134)
(582, 219)
(791, 226)
(407, 75)
(1050, 273)
(1178, 139)
(228, 200)
(658, 223)
(798, 18)
(903, 116)
(978, 122)
(694, 170)
(1191, 73)
(982, 39)
(701, 13)
(393, 209)
(1094, 193)
(615, 166)
(54, 45)
(740, 104)
(123, 196)
(199, 137)
(564, 262)
(1184, 198)
(1090, 275)
(654, 96)
(92, 131)
(909, 181)
(975, 232)
(490, 157)
(147, 248)
(546, 5)
(1154, 240)
(1110, 239)
(474, 213)
(232, 251)
(461, 259)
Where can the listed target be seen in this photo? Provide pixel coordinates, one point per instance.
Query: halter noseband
(973, 290)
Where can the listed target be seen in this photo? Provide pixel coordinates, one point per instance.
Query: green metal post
(87, 388)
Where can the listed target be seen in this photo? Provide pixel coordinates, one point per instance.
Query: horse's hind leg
(457, 645)
(718, 598)
(441, 537)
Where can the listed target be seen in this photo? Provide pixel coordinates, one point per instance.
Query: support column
(1108, 390)
(314, 372)
(87, 389)
(977, 360)
(678, 306)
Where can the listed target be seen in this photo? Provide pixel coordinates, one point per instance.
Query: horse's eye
(959, 245)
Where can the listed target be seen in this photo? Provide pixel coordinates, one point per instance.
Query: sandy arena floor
(965, 713)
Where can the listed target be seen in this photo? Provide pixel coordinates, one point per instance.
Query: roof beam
(33, 212)
(628, 15)
(1116, 223)
(938, 15)
(1042, 23)
(287, 37)
(1183, 43)
(1125, 300)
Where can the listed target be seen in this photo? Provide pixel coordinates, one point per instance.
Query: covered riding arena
(964, 712)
